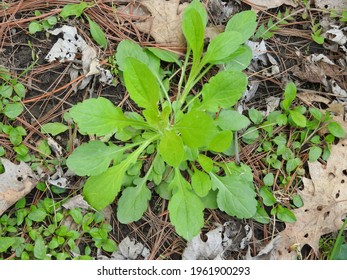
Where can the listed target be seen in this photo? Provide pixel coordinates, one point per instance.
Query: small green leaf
(2, 152)
(316, 113)
(165, 55)
(52, 20)
(197, 129)
(73, 10)
(205, 162)
(297, 200)
(261, 216)
(336, 129)
(54, 128)
(171, 148)
(244, 22)
(267, 196)
(314, 153)
(92, 158)
(232, 120)
(38, 215)
(34, 27)
(201, 183)
(255, 116)
(40, 249)
(250, 135)
(185, 209)
(21, 150)
(285, 215)
(5, 243)
(109, 245)
(99, 116)
(13, 110)
(133, 203)
(193, 27)
(6, 91)
(141, 83)
(19, 90)
(221, 141)
(97, 33)
(222, 47)
(269, 179)
(235, 196)
(223, 90)
(76, 214)
(298, 118)
(289, 95)
(292, 164)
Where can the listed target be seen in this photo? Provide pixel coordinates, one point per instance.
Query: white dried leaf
(336, 35)
(16, 182)
(340, 92)
(319, 58)
(129, 249)
(55, 147)
(330, 4)
(76, 202)
(205, 250)
(269, 4)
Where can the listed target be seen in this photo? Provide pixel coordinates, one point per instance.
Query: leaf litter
(16, 182)
(325, 207)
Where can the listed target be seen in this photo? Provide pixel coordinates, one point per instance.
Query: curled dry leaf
(269, 4)
(220, 242)
(129, 249)
(164, 23)
(16, 182)
(324, 197)
(330, 4)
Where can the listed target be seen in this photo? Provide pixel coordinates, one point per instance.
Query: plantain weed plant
(172, 141)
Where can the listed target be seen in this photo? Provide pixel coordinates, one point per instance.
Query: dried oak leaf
(325, 205)
(269, 4)
(16, 182)
(164, 23)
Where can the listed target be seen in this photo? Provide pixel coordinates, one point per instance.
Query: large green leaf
(197, 129)
(100, 191)
(221, 141)
(244, 22)
(235, 196)
(201, 183)
(127, 48)
(193, 29)
(223, 90)
(171, 148)
(133, 203)
(185, 208)
(13, 110)
(98, 116)
(141, 83)
(232, 120)
(222, 47)
(91, 158)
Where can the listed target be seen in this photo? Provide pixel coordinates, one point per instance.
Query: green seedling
(47, 236)
(45, 24)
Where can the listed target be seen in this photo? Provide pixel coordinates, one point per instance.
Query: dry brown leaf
(325, 205)
(164, 23)
(330, 4)
(16, 182)
(269, 4)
